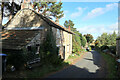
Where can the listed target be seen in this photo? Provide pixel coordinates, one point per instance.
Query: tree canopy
(69, 23)
(89, 38)
(107, 39)
(49, 9)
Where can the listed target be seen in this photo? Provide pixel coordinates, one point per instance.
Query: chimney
(26, 4)
(69, 28)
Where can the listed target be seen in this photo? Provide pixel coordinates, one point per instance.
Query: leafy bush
(76, 44)
(112, 49)
(49, 51)
(83, 41)
(16, 59)
(55, 60)
(104, 47)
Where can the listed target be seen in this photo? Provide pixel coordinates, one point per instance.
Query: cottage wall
(67, 43)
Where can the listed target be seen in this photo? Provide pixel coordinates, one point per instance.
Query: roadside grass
(73, 57)
(111, 62)
(111, 65)
(42, 70)
(36, 72)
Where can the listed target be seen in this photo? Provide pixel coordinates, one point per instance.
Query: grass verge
(111, 65)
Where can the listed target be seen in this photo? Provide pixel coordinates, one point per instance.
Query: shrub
(16, 59)
(113, 49)
(49, 50)
(55, 60)
(104, 47)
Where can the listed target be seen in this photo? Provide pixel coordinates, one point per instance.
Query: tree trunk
(1, 16)
(12, 12)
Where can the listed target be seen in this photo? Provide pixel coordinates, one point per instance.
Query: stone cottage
(27, 29)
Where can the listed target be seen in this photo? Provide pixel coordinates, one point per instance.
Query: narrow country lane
(92, 65)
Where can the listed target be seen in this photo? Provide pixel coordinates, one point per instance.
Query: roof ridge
(65, 29)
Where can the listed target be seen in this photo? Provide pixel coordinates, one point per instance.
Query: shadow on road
(91, 66)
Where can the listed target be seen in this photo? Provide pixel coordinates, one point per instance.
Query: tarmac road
(92, 65)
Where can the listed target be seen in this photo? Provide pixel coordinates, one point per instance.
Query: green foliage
(83, 41)
(53, 8)
(104, 47)
(48, 49)
(16, 58)
(76, 43)
(107, 39)
(76, 40)
(56, 11)
(68, 23)
(113, 49)
(89, 38)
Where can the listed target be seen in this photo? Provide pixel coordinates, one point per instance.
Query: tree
(8, 9)
(1, 15)
(83, 41)
(40, 6)
(69, 23)
(113, 38)
(53, 8)
(89, 38)
(11, 8)
(107, 39)
(49, 44)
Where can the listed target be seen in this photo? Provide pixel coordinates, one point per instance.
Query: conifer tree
(56, 11)
(53, 9)
(69, 23)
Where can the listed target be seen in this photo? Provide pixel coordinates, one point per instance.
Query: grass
(37, 72)
(74, 57)
(111, 65)
(112, 70)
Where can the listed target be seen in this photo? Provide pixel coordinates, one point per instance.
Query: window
(29, 48)
(38, 48)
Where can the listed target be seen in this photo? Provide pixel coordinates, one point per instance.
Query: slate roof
(16, 39)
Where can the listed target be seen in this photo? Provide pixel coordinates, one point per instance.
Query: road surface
(92, 65)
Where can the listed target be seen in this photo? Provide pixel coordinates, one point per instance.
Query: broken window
(29, 48)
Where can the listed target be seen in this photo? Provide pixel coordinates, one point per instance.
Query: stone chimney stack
(26, 4)
(69, 28)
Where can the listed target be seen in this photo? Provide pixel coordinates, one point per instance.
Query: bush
(112, 49)
(55, 60)
(16, 59)
(104, 47)
(49, 50)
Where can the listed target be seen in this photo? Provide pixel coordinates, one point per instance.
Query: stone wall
(67, 42)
